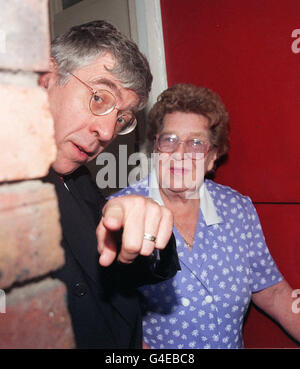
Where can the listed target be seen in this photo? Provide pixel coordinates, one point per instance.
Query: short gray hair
(80, 45)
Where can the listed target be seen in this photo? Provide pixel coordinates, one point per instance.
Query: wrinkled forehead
(187, 123)
(99, 74)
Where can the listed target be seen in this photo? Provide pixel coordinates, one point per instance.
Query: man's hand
(136, 215)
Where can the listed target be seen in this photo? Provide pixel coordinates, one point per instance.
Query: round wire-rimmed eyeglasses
(103, 102)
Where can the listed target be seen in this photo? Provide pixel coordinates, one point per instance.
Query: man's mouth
(84, 153)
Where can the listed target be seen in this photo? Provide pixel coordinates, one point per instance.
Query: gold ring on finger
(149, 237)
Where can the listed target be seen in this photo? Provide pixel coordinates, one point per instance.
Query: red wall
(243, 51)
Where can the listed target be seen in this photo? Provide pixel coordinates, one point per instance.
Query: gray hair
(82, 44)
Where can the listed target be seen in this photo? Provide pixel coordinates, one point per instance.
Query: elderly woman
(224, 259)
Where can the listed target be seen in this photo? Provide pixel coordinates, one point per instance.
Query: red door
(244, 50)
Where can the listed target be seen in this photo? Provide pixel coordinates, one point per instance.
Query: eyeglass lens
(103, 102)
(126, 123)
(170, 142)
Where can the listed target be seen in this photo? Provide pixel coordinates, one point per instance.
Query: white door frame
(151, 42)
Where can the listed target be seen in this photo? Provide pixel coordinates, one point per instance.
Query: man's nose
(104, 126)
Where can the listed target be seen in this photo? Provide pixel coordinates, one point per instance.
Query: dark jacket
(103, 302)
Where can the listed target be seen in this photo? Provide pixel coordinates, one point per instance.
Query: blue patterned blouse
(204, 305)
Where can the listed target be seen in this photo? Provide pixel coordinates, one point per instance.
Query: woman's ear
(154, 142)
(211, 158)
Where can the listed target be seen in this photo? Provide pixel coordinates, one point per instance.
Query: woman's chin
(184, 192)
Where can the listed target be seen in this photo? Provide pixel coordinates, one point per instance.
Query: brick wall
(35, 314)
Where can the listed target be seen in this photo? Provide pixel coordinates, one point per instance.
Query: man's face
(80, 135)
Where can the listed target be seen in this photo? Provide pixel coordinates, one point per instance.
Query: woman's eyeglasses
(194, 148)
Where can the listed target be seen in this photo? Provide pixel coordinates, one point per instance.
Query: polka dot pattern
(204, 305)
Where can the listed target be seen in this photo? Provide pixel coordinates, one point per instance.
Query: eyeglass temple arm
(89, 87)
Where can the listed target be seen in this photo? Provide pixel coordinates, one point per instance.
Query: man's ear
(46, 79)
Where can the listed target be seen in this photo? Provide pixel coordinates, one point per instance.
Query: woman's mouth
(178, 171)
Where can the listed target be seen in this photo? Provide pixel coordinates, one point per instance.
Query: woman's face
(179, 172)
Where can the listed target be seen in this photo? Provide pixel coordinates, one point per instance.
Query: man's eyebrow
(108, 83)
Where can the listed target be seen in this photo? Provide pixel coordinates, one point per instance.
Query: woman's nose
(178, 154)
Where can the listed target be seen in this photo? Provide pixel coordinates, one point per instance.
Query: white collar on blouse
(207, 206)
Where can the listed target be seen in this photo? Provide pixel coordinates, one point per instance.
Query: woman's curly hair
(189, 98)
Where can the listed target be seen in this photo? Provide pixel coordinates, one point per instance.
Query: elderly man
(96, 83)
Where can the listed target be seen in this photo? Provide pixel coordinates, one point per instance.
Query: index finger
(107, 246)
(113, 216)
